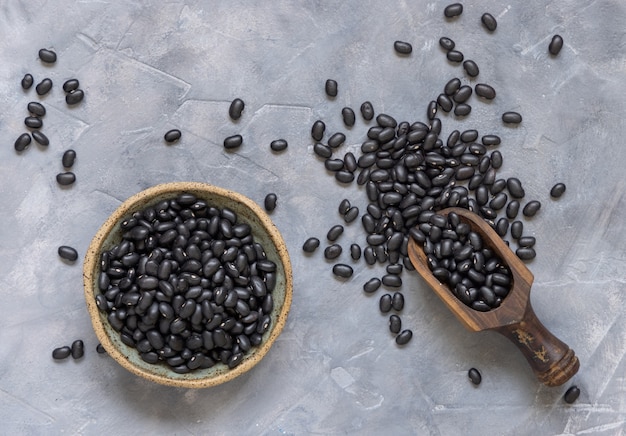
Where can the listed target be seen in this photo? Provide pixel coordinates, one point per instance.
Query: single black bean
(392, 280)
(47, 56)
(395, 324)
(397, 300)
(344, 176)
(469, 135)
(474, 376)
(61, 353)
(33, 122)
(511, 118)
(385, 120)
(372, 285)
(572, 394)
(489, 22)
(40, 138)
(502, 226)
(367, 111)
(402, 47)
(322, 150)
(332, 251)
(517, 229)
(270, 202)
(342, 270)
(444, 102)
(331, 88)
(66, 178)
(236, 108)
(452, 86)
(349, 118)
(100, 349)
(557, 190)
(77, 349)
(351, 214)
(71, 85)
(485, 91)
(22, 142)
(68, 159)
(531, 208)
(453, 10)
(404, 337)
(334, 232)
(526, 241)
(462, 109)
(455, 56)
(471, 68)
(27, 81)
(385, 303)
(75, 97)
(512, 209)
(233, 142)
(67, 253)
(36, 109)
(172, 135)
(514, 185)
(336, 140)
(462, 94)
(355, 251)
(446, 43)
(344, 206)
(278, 145)
(317, 130)
(310, 245)
(526, 253)
(556, 44)
(431, 111)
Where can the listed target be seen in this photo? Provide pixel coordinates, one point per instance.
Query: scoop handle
(552, 361)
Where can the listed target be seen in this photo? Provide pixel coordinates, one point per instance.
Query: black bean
(68, 159)
(278, 145)
(355, 251)
(511, 118)
(397, 301)
(75, 97)
(348, 116)
(77, 349)
(27, 81)
(444, 102)
(489, 22)
(172, 135)
(572, 394)
(336, 140)
(47, 56)
(36, 109)
(526, 241)
(236, 108)
(462, 109)
(512, 209)
(68, 253)
(71, 85)
(351, 214)
(270, 202)
(471, 68)
(344, 206)
(372, 285)
(342, 270)
(344, 176)
(33, 122)
(498, 201)
(502, 226)
(526, 253)
(392, 280)
(322, 150)
(233, 142)
(531, 208)
(385, 303)
(462, 94)
(402, 47)
(455, 56)
(446, 43)
(453, 10)
(404, 337)
(395, 324)
(367, 111)
(474, 376)
(452, 86)
(40, 138)
(517, 229)
(514, 185)
(431, 111)
(556, 44)
(100, 349)
(469, 135)
(331, 88)
(332, 251)
(61, 353)
(557, 190)
(334, 232)
(22, 142)
(485, 91)
(317, 130)
(66, 178)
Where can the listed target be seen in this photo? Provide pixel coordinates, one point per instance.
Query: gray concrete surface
(147, 67)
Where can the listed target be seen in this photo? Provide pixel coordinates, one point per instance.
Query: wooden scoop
(552, 361)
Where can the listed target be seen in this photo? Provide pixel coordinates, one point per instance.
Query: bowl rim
(91, 265)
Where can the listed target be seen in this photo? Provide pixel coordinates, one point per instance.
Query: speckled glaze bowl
(263, 231)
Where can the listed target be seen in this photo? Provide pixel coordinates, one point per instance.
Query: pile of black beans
(459, 259)
(187, 286)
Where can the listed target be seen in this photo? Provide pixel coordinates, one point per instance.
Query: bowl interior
(263, 231)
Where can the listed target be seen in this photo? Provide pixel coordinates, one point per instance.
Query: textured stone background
(147, 67)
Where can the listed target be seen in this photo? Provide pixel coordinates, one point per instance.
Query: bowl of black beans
(188, 284)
